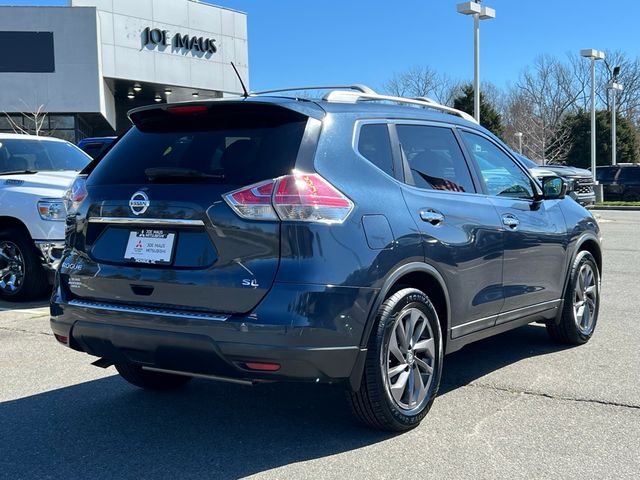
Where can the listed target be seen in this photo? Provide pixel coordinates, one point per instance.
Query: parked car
(95, 146)
(620, 182)
(35, 172)
(579, 180)
(353, 239)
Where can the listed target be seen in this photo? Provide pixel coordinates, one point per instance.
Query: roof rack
(345, 96)
(356, 88)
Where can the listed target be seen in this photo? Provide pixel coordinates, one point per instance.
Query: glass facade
(68, 127)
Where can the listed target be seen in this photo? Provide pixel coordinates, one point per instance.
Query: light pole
(593, 55)
(615, 87)
(479, 13)
(518, 135)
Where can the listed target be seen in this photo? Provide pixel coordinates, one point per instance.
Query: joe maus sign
(178, 42)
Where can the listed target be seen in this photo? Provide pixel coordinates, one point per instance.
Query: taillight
(310, 198)
(298, 197)
(188, 109)
(253, 202)
(76, 193)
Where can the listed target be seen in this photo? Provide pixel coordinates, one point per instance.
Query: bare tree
(627, 100)
(540, 99)
(423, 82)
(35, 121)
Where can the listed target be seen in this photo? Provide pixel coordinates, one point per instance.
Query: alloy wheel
(585, 299)
(410, 359)
(12, 267)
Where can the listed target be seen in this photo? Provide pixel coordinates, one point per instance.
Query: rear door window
(230, 146)
(433, 159)
(375, 146)
(629, 175)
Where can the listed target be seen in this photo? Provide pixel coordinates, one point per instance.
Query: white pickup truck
(35, 173)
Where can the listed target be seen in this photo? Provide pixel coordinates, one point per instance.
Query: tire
(148, 380)
(377, 403)
(22, 276)
(581, 303)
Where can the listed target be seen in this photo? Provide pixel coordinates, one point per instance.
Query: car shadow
(481, 358)
(107, 428)
(39, 303)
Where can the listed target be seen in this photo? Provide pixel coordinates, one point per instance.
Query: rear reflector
(188, 109)
(61, 338)
(298, 197)
(265, 367)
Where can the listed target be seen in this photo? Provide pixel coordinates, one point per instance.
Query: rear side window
(434, 159)
(375, 146)
(232, 146)
(629, 175)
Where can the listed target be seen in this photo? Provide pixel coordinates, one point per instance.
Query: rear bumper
(322, 348)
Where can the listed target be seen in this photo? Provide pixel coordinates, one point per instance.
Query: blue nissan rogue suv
(353, 239)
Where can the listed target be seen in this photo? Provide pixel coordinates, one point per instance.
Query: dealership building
(76, 70)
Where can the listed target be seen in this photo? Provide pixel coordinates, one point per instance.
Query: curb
(615, 207)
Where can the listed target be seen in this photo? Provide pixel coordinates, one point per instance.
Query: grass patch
(618, 204)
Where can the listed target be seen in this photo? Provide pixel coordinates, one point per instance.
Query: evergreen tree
(579, 126)
(489, 117)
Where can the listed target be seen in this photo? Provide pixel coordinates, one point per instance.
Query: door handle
(510, 221)
(432, 217)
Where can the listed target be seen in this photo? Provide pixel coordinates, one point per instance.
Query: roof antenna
(244, 89)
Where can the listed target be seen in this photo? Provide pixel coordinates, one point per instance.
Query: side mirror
(553, 188)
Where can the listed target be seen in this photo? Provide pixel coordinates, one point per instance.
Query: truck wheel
(149, 380)
(21, 274)
(581, 303)
(403, 366)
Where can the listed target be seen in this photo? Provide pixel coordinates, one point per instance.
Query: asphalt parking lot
(512, 406)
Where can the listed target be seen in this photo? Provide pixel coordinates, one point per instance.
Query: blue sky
(297, 42)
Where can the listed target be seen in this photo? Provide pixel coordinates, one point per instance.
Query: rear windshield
(231, 147)
(18, 155)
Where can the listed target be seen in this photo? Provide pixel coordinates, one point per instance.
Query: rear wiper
(19, 172)
(171, 172)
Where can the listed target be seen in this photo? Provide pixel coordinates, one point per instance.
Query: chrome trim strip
(509, 312)
(485, 319)
(109, 307)
(148, 221)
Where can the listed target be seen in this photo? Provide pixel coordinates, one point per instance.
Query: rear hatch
(154, 229)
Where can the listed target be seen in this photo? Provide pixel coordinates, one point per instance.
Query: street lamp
(518, 135)
(615, 87)
(593, 55)
(479, 13)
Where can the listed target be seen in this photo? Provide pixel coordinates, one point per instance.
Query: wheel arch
(417, 275)
(588, 243)
(592, 245)
(7, 222)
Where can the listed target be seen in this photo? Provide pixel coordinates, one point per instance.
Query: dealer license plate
(150, 246)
